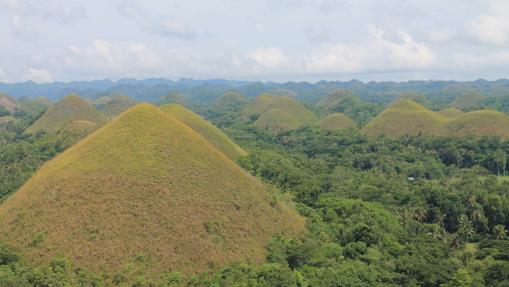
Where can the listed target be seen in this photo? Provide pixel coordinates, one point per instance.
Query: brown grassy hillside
(277, 121)
(114, 105)
(9, 104)
(405, 117)
(214, 135)
(478, 124)
(336, 121)
(144, 186)
(70, 108)
(450, 112)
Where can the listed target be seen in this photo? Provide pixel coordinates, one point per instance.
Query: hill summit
(70, 108)
(279, 114)
(214, 135)
(336, 121)
(405, 117)
(144, 186)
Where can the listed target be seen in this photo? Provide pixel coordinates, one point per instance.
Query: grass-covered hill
(336, 121)
(8, 105)
(405, 117)
(214, 135)
(114, 105)
(229, 101)
(333, 101)
(277, 121)
(479, 123)
(5, 121)
(278, 114)
(173, 98)
(467, 100)
(258, 105)
(450, 112)
(145, 192)
(70, 108)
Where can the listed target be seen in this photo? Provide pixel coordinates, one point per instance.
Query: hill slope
(214, 135)
(336, 121)
(478, 124)
(258, 105)
(144, 186)
(229, 101)
(279, 114)
(405, 117)
(70, 108)
(450, 112)
(277, 121)
(8, 104)
(113, 106)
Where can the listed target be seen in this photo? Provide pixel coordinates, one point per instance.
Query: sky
(267, 40)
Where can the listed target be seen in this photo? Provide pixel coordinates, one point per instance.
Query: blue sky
(278, 40)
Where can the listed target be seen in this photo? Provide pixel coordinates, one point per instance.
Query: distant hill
(229, 101)
(450, 112)
(336, 121)
(173, 98)
(479, 123)
(335, 100)
(144, 188)
(468, 100)
(70, 108)
(8, 105)
(405, 117)
(277, 121)
(114, 105)
(278, 114)
(258, 105)
(5, 121)
(204, 128)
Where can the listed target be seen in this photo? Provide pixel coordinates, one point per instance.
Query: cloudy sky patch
(279, 40)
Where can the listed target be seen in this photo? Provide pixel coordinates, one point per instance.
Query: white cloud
(113, 58)
(380, 53)
(469, 61)
(165, 26)
(39, 75)
(439, 36)
(268, 57)
(492, 28)
(25, 15)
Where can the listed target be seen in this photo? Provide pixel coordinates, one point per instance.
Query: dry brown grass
(406, 117)
(144, 185)
(336, 121)
(214, 135)
(70, 108)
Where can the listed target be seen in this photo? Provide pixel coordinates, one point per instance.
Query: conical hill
(144, 186)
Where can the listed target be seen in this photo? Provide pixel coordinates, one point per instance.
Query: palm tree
(465, 228)
(500, 232)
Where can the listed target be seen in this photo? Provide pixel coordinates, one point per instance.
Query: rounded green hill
(70, 108)
(229, 101)
(144, 185)
(279, 114)
(450, 112)
(114, 105)
(478, 124)
(258, 105)
(405, 117)
(8, 104)
(336, 121)
(206, 129)
(277, 121)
